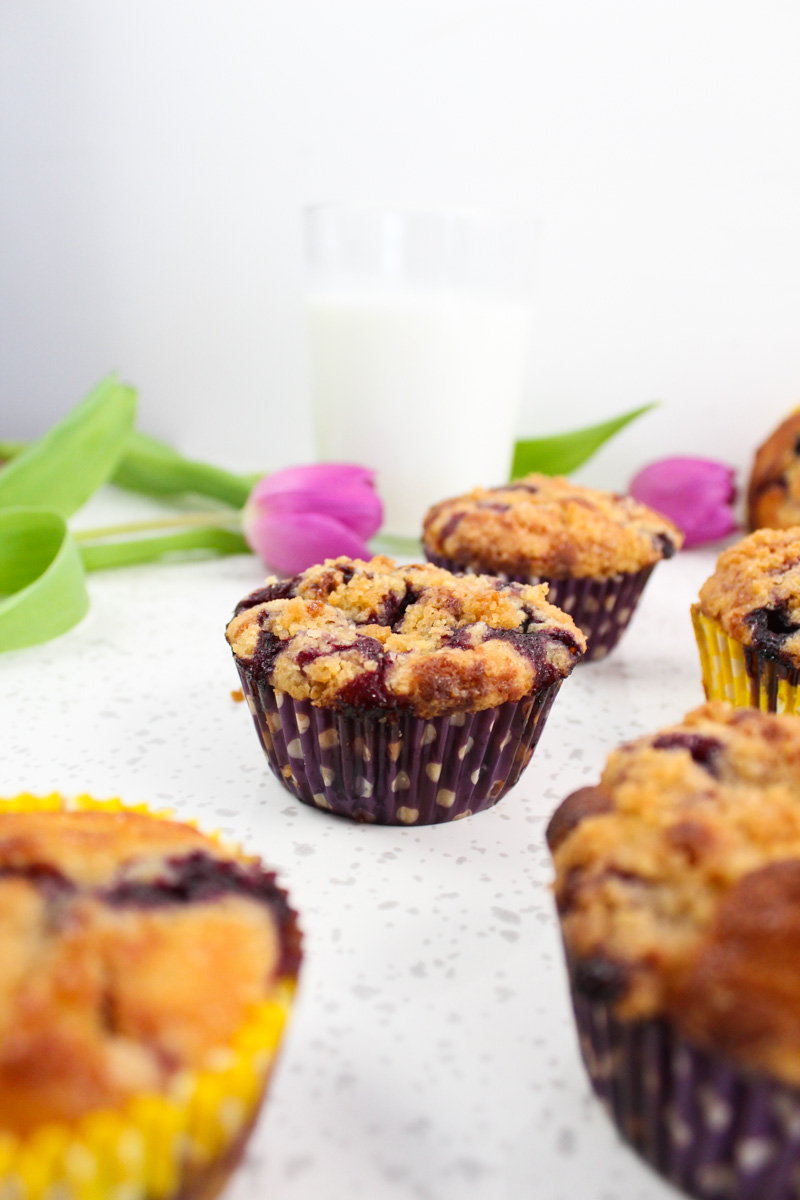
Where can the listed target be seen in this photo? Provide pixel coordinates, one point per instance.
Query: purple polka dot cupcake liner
(602, 608)
(710, 1128)
(399, 769)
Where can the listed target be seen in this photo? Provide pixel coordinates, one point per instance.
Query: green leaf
(63, 468)
(99, 556)
(42, 583)
(397, 546)
(153, 467)
(565, 452)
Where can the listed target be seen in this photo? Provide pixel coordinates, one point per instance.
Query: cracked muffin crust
(773, 493)
(116, 928)
(754, 594)
(678, 884)
(400, 694)
(374, 638)
(549, 527)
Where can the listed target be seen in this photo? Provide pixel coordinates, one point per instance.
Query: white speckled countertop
(431, 1053)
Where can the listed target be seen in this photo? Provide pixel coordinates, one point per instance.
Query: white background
(155, 157)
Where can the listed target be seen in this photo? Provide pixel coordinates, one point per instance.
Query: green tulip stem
(132, 551)
(179, 521)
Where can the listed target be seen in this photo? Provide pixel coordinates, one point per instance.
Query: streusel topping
(754, 593)
(370, 637)
(678, 882)
(115, 927)
(548, 527)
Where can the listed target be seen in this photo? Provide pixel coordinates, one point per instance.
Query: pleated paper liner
(399, 769)
(738, 674)
(602, 608)
(714, 1130)
(176, 1145)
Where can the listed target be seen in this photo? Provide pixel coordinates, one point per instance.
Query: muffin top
(116, 928)
(773, 494)
(754, 593)
(678, 883)
(373, 637)
(548, 527)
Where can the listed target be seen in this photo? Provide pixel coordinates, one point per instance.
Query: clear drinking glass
(419, 330)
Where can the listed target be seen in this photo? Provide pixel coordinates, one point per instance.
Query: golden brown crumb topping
(754, 593)
(548, 527)
(678, 883)
(372, 636)
(114, 927)
(773, 494)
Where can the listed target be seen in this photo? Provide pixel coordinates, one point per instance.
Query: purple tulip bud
(696, 493)
(302, 515)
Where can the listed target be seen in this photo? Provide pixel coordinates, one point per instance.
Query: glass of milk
(419, 332)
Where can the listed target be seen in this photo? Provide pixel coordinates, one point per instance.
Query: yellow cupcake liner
(159, 1142)
(761, 684)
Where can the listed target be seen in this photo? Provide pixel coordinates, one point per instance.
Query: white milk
(423, 387)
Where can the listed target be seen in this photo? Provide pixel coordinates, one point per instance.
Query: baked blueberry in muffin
(773, 494)
(595, 549)
(747, 622)
(399, 694)
(678, 891)
(135, 953)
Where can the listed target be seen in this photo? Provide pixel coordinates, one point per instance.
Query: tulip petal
(696, 493)
(339, 490)
(319, 476)
(292, 541)
(359, 508)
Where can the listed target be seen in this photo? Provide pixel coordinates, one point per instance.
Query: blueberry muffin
(747, 622)
(773, 494)
(596, 550)
(678, 892)
(399, 694)
(145, 976)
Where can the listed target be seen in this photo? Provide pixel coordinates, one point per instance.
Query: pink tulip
(302, 515)
(696, 493)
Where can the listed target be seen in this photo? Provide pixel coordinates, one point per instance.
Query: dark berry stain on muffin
(666, 545)
(393, 609)
(196, 878)
(463, 638)
(368, 694)
(535, 648)
(41, 875)
(493, 506)
(599, 978)
(704, 750)
(770, 629)
(267, 650)
(199, 878)
(282, 589)
(368, 697)
(310, 654)
(452, 524)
